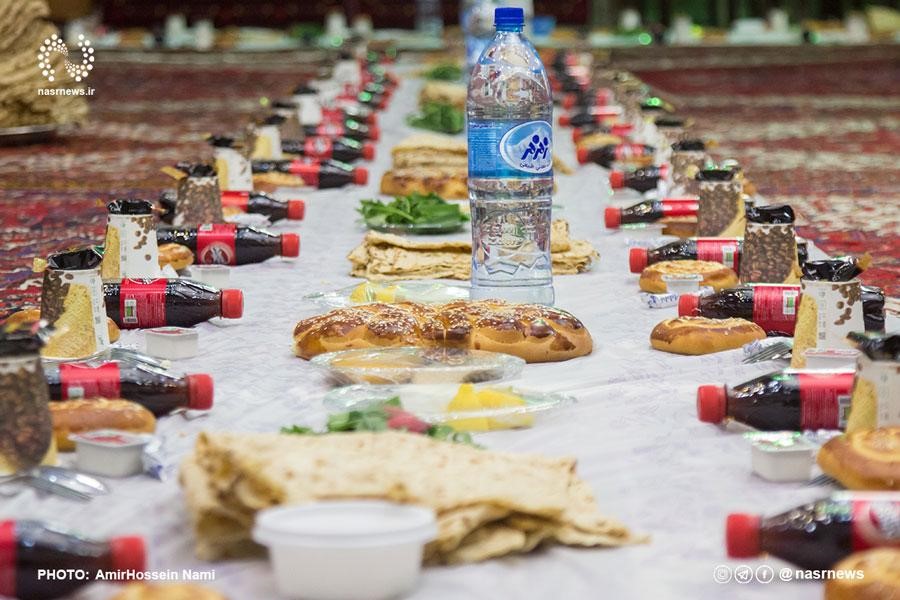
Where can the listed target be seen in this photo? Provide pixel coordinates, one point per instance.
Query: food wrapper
(770, 246)
(72, 304)
(843, 268)
(721, 211)
(267, 145)
(828, 312)
(232, 166)
(198, 199)
(875, 401)
(688, 157)
(130, 249)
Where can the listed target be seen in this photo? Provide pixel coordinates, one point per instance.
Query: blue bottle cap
(509, 17)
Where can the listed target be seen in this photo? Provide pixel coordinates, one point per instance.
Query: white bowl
(355, 550)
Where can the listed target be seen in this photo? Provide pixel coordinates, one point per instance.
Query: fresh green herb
(414, 209)
(296, 430)
(445, 72)
(437, 116)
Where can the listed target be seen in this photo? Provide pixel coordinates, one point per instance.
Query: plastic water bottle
(510, 111)
(475, 19)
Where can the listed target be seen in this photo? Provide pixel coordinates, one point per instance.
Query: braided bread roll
(533, 332)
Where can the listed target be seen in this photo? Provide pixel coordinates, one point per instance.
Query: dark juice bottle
(785, 400)
(148, 303)
(263, 204)
(817, 535)
(229, 244)
(350, 112)
(607, 155)
(650, 211)
(349, 129)
(588, 98)
(324, 174)
(722, 250)
(324, 148)
(34, 557)
(158, 391)
(622, 130)
(640, 180)
(597, 115)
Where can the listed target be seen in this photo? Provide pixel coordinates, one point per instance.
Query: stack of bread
(426, 163)
(488, 504)
(23, 29)
(386, 257)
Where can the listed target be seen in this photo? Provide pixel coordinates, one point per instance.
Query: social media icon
(722, 574)
(765, 574)
(743, 574)
(786, 574)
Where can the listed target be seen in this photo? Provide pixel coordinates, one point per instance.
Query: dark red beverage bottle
(325, 148)
(640, 180)
(158, 391)
(607, 155)
(588, 98)
(622, 130)
(264, 204)
(324, 174)
(785, 400)
(597, 115)
(350, 129)
(229, 244)
(148, 303)
(817, 535)
(34, 557)
(650, 211)
(722, 250)
(350, 112)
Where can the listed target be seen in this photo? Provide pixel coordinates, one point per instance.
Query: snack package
(828, 312)
(232, 166)
(721, 207)
(770, 246)
(688, 158)
(198, 197)
(267, 145)
(876, 389)
(72, 304)
(130, 249)
(843, 268)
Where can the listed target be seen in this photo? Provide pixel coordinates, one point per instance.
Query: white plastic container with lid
(314, 546)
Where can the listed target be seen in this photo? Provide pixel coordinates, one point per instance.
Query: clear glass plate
(426, 292)
(410, 364)
(430, 402)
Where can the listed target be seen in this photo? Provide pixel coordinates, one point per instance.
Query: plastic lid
(582, 155)
(128, 553)
(368, 150)
(8, 558)
(296, 209)
(360, 175)
(374, 133)
(565, 120)
(687, 305)
(742, 535)
(637, 259)
(232, 304)
(290, 245)
(613, 217)
(200, 391)
(711, 403)
(617, 179)
(509, 16)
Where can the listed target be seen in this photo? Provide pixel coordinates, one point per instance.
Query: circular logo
(765, 574)
(786, 574)
(528, 147)
(77, 71)
(722, 574)
(216, 253)
(743, 574)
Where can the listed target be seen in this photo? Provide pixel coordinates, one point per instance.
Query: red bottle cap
(360, 176)
(711, 403)
(8, 559)
(290, 245)
(296, 209)
(613, 217)
(688, 304)
(368, 150)
(637, 260)
(742, 535)
(232, 304)
(374, 133)
(372, 119)
(200, 391)
(564, 120)
(617, 179)
(621, 129)
(582, 155)
(128, 553)
(568, 101)
(577, 134)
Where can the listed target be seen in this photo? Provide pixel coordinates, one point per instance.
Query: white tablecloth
(634, 429)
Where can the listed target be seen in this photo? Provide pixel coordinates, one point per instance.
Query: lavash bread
(715, 275)
(444, 92)
(532, 332)
(176, 256)
(447, 182)
(487, 503)
(167, 591)
(29, 315)
(864, 460)
(24, 26)
(699, 335)
(880, 580)
(431, 150)
(388, 257)
(81, 415)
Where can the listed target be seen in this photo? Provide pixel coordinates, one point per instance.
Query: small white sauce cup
(110, 452)
(355, 550)
(214, 275)
(172, 343)
(688, 283)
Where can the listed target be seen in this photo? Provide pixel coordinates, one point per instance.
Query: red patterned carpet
(823, 138)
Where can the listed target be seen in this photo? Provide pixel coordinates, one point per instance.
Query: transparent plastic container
(425, 292)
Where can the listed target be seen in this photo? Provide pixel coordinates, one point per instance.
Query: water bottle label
(510, 149)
